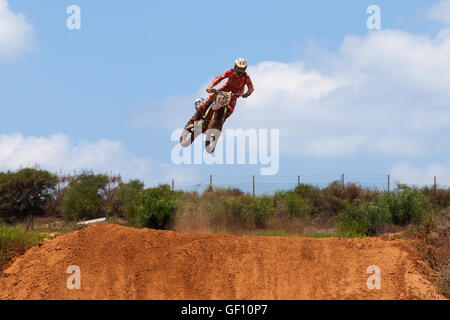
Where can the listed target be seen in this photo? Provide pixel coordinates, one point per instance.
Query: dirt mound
(125, 263)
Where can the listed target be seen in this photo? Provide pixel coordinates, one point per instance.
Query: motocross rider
(237, 80)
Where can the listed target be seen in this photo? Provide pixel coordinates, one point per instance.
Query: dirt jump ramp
(117, 262)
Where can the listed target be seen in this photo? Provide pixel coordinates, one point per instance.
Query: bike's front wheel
(214, 131)
(212, 137)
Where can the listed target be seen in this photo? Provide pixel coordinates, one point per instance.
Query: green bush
(406, 205)
(157, 207)
(402, 207)
(296, 205)
(364, 218)
(84, 198)
(15, 241)
(249, 211)
(261, 209)
(332, 199)
(237, 211)
(314, 196)
(127, 200)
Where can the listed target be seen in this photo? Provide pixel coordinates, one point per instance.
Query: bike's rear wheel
(214, 131)
(211, 141)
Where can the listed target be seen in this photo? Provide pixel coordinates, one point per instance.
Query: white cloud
(15, 32)
(398, 146)
(164, 113)
(440, 12)
(390, 87)
(59, 152)
(281, 83)
(332, 146)
(406, 172)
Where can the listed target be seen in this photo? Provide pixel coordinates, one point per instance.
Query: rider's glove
(246, 95)
(208, 89)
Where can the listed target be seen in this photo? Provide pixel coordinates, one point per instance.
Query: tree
(25, 192)
(84, 199)
(127, 199)
(157, 207)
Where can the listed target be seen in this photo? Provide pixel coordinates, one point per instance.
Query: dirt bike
(210, 123)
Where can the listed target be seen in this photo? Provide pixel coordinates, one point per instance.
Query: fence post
(173, 185)
(253, 185)
(389, 183)
(435, 184)
(343, 180)
(210, 180)
(298, 181)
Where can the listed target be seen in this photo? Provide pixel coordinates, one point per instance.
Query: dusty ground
(124, 263)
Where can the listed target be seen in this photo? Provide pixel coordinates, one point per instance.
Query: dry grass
(439, 197)
(434, 248)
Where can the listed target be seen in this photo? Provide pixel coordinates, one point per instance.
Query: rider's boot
(198, 114)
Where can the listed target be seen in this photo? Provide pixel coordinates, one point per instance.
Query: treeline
(353, 210)
(83, 196)
(39, 192)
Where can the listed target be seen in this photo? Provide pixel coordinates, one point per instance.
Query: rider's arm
(217, 80)
(250, 88)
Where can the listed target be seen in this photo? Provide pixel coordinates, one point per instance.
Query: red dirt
(124, 263)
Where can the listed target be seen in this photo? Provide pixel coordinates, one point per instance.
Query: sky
(345, 99)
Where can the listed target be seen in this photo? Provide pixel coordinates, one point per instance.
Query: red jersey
(235, 84)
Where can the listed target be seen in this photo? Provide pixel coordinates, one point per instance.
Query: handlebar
(233, 94)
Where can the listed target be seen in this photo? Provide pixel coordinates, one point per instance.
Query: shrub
(224, 192)
(190, 214)
(157, 207)
(249, 211)
(296, 206)
(365, 218)
(314, 195)
(337, 194)
(406, 205)
(440, 197)
(261, 209)
(205, 212)
(126, 200)
(332, 199)
(84, 198)
(237, 211)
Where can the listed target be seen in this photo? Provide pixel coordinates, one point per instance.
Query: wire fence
(269, 184)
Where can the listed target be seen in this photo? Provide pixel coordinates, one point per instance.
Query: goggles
(239, 71)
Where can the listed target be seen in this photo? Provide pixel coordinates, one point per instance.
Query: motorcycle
(211, 121)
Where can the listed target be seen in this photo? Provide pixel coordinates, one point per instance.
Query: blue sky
(127, 79)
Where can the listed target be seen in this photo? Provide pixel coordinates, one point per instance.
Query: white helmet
(240, 65)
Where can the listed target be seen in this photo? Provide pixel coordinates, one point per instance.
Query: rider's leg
(231, 107)
(230, 110)
(202, 108)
